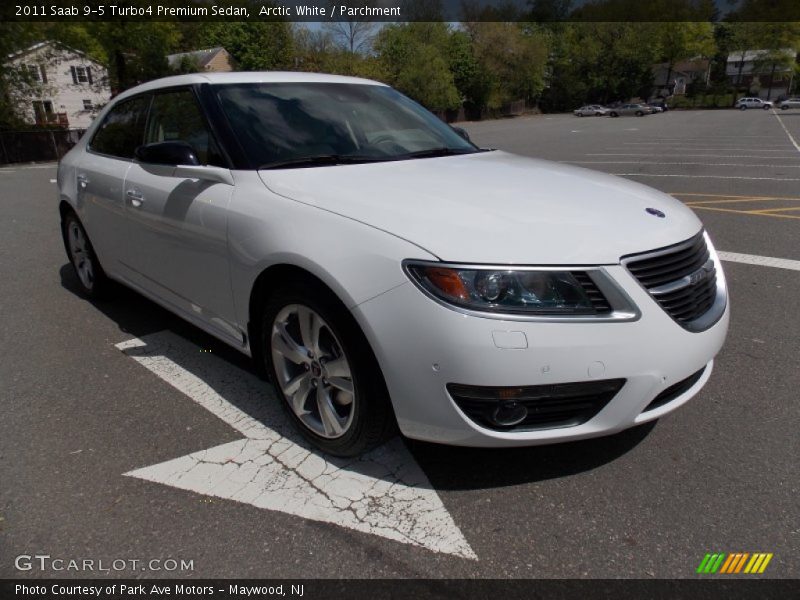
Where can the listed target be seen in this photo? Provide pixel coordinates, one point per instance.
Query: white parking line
(704, 176)
(703, 149)
(791, 137)
(681, 155)
(383, 493)
(761, 261)
(640, 162)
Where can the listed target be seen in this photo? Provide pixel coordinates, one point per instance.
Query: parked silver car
(626, 110)
(590, 110)
(745, 103)
(790, 103)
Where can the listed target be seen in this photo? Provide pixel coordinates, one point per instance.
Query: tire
(767, 107)
(580, 114)
(92, 280)
(345, 411)
(743, 107)
(613, 114)
(784, 107)
(598, 114)
(639, 113)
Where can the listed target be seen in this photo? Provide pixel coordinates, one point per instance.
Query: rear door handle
(136, 198)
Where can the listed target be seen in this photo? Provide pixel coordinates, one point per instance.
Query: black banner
(401, 10)
(406, 589)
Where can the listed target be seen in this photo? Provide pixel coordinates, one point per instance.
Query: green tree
(136, 51)
(414, 58)
(679, 41)
(514, 61)
(254, 45)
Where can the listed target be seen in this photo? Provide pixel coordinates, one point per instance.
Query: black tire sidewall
(371, 399)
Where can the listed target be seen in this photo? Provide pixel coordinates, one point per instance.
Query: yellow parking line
(733, 196)
(765, 211)
(746, 212)
(735, 199)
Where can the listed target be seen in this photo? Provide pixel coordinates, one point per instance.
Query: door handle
(135, 197)
(83, 180)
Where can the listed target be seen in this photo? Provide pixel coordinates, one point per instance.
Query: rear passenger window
(123, 129)
(176, 116)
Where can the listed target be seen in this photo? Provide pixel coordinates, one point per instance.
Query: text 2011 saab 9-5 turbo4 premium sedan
(386, 272)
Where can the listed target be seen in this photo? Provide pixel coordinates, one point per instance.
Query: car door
(100, 176)
(177, 226)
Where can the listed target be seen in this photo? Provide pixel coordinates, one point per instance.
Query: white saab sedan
(384, 271)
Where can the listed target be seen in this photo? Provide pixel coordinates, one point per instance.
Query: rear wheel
(743, 107)
(322, 366)
(639, 113)
(613, 114)
(91, 277)
(784, 107)
(767, 107)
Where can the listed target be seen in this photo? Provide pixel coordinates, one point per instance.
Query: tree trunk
(666, 81)
(771, 77)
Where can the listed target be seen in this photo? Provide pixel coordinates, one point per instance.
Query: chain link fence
(37, 145)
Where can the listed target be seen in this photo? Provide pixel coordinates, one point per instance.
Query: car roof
(244, 77)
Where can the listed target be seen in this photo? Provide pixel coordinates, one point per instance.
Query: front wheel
(742, 107)
(767, 107)
(91, 277)
(322, 366)
(784, 107)
(639, 113)
(613, 114)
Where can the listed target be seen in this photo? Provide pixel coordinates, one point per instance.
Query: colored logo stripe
(734, 563)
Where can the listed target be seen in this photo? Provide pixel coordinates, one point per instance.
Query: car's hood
(495, 207)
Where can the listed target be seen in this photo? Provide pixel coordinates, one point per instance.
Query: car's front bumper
(422, 346)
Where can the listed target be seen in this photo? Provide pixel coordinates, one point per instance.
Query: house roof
(203, 57)
(39, 45)
(685, 66)
(751, 55)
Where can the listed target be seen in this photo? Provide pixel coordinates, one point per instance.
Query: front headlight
(511, 291)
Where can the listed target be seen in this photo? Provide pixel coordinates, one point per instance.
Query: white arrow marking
(383, 493)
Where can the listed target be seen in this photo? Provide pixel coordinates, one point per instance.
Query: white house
(59, 86)
(765, 73)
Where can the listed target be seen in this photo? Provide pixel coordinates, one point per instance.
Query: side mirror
(166, 153)
(462, 132)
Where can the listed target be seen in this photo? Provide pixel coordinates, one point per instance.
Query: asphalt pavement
(85, 418)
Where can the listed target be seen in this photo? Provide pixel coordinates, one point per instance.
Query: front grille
(592, 292)
(675, 390)
(681, 278)
(538, 406)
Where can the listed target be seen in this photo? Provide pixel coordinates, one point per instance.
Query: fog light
(508, 414)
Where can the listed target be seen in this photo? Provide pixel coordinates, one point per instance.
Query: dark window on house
(81, 75)
(87, 105)
(34, 72)
(122, 130)
(43, 111)
(176, 116)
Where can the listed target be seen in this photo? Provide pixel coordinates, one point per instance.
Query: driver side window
(175, 116)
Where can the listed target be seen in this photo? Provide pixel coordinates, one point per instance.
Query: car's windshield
(285, 123)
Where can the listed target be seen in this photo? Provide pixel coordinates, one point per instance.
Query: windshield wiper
(434, 152)
(321, 159)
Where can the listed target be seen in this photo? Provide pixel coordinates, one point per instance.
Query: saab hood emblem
(655, 212)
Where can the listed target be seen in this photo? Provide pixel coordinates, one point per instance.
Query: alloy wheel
(79, 252)
(313, 371)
